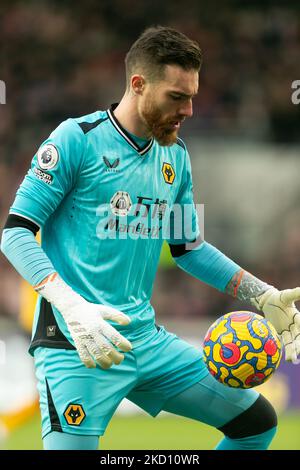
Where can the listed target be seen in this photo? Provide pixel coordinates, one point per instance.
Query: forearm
(244, 286)
(25, 254)
(209, 265)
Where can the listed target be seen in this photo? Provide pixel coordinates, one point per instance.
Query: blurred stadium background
(60, 59)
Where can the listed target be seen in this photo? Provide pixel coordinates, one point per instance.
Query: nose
(186, 109)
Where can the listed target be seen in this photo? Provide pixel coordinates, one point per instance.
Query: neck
(127, 114)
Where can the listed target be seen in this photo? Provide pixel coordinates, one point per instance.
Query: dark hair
(158, 46)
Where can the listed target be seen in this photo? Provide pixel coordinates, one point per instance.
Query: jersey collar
(141, 150)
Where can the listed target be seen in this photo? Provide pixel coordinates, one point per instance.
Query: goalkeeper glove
(279, 308)
(87, 323)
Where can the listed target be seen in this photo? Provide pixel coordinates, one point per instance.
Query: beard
(159, 128)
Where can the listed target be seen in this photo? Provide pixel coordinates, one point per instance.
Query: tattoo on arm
(245, 286)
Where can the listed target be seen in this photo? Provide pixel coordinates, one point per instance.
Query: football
(242, 349)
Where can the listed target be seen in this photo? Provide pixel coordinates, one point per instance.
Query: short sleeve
(53, 173)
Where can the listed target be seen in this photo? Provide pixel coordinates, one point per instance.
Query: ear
(138, 84)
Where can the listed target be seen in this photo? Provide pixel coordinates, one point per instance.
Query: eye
(176, 97)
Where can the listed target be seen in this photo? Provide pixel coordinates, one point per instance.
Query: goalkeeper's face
(165, 104)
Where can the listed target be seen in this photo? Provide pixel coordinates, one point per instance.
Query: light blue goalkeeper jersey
(103, 203)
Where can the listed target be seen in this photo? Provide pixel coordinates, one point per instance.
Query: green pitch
(167, 432)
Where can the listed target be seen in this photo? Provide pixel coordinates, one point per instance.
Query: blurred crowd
(61, 59)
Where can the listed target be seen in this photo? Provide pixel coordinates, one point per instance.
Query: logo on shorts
(51, 330)
(74, 414)
(120, 203)
(47, 157)
(168, 173)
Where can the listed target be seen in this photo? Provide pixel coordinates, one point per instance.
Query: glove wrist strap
(58, 293)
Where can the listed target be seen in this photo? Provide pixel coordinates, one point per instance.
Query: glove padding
(279, 308)
(93, 336)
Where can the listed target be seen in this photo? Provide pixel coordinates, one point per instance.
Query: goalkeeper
(99, 188)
